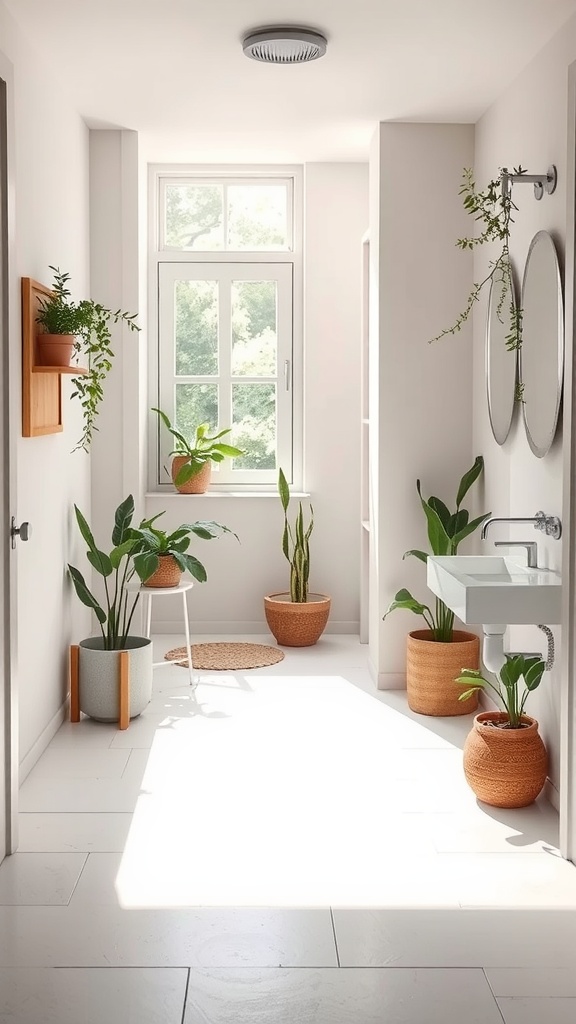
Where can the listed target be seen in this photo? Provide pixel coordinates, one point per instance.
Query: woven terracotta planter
(505, 767)
(54, 349)
(167, 574)
(295, 624)
(197, 484)
(431, 669)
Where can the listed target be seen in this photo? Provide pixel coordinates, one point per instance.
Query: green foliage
(90, 323)
(295, 544)
(493, 211)
(135, 550)
(151, 543)
(507, 688)
(203, 448)
(446, 531)
(116, 569)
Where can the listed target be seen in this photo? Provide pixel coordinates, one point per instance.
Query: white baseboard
(391, 681)
(234, 628)
(36, 751)
(552, 795)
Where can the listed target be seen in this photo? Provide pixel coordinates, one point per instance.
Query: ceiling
(174, 69)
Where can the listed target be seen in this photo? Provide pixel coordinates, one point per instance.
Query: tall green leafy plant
(295, 544)
(90, 324)
(446, 531)
(507, 687)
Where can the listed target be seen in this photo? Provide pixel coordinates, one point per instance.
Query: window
(226, 272)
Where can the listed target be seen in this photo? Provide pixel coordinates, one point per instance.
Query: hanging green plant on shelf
(89, 323)
(492, 208)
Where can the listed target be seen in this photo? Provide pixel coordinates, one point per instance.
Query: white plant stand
(147, 594)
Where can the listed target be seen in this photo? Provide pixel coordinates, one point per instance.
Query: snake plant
(295, 544)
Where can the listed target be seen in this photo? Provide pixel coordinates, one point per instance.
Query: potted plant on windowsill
(297, 618)
(435, 655)
(192, 461)
(505, 760)
(160, 558)
(79, 328)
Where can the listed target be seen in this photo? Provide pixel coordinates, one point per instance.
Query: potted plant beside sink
(505, 760)
(436, 655)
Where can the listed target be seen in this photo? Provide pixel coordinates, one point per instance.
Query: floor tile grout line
(186, 996)
(334, 935)
(493, 994)
(82, 869)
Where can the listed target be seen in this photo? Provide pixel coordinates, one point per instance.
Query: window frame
(159, 175)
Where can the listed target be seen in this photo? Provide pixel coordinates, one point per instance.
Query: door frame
(10, 388)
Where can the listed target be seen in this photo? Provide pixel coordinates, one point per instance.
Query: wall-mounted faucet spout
(550, 525)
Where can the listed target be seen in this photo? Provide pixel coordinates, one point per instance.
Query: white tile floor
(285, 845)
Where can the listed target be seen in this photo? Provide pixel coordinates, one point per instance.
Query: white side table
(147, 594)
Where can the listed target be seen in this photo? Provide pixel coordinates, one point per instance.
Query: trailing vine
(89, 322)
(493, 210)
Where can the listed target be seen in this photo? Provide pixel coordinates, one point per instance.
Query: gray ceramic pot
(99, 672)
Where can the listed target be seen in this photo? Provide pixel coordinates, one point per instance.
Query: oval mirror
(542, 353)
(501, 363)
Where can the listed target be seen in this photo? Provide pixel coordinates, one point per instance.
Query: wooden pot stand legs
(123, 686)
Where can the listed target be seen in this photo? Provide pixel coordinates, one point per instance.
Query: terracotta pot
(505, 767)
(167, 574)
(431, 669)
(296, 624)
(54, 349)
(197, 484)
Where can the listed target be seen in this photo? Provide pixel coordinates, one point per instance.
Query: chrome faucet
(531, 549)
(550, 525)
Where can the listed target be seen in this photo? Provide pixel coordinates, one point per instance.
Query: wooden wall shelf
(41, 385)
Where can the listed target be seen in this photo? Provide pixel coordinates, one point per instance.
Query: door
(8, 750)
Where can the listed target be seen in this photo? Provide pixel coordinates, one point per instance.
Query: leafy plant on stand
(295, 544)
(150, 544)
(203, 448)
(446, 531)
(507, 687)
(90, 324)
(492, 208)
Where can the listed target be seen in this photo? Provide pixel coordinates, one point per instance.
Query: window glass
(257, 217)
(196, 328)
(194, 217)
(254, 425)
(254, 328)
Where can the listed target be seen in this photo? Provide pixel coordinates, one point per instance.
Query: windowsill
(174, 496)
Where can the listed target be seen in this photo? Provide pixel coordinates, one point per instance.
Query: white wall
(420, 394)
(51, 157)
(336, 216)
(527, 126)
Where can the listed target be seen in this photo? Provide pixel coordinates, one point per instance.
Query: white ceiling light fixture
(284, 45)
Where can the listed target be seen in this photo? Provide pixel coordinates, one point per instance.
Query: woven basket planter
(295, 624)
(167, 574)
(505, 767)
(431, 669)
(197, 484)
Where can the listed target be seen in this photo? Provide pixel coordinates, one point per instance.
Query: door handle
(24, 531)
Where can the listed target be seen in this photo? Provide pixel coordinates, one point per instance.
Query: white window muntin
(226, 273)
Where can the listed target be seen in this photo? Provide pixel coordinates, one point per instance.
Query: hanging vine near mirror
(493, 209)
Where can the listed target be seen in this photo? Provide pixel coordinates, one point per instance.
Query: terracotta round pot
(505, 767)
(197, 484)
(295, 624)
(431, 669)
(54, 349)
(167, 574)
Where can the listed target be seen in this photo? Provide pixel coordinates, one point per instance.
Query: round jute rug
(220, 656)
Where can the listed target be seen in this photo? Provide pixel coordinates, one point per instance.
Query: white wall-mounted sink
(495, 589)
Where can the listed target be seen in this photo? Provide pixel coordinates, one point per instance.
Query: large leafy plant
(151, 544)
(492, 209)
(200, 450)
(135, 551)
(90, 324)
(295, 544)
(517, 667)
(446, 531)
